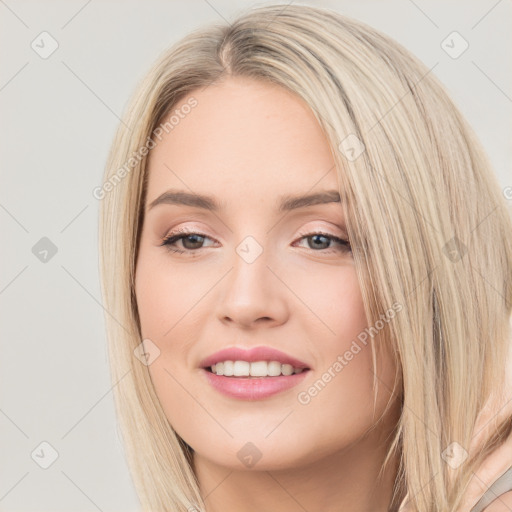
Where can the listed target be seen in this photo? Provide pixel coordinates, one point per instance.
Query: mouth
(257, 380)
(253, 374)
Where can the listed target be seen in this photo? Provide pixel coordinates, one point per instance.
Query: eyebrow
(286, 203)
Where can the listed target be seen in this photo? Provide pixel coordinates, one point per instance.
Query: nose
(251, 295)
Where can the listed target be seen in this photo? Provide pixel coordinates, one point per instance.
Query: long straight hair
(427, 221)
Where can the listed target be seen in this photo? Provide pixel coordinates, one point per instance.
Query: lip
(262, 353)
(252, 388)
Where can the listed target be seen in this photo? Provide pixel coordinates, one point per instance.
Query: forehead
(242, 139)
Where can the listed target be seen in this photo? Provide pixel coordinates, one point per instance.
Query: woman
(306, 261)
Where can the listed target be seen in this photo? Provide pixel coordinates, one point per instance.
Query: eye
(319, 241)
(190, 240)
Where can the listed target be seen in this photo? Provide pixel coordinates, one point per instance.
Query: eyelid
(181, 232)
(192, 229)
(331, 230)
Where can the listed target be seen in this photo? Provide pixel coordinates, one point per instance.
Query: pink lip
(252, 355)
(252, 388)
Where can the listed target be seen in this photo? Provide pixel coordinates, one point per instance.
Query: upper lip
(262, 353)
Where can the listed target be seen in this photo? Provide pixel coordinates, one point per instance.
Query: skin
(499, 461)
(247, 143)
(501, 504)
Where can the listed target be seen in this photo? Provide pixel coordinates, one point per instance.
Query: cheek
(342, 391)
(164, 295)
(334, 298)
(173, 305)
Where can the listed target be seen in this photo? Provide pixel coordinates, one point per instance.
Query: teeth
(228, 368)
(274, 368)
(255, 369)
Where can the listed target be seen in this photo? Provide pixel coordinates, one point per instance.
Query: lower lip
(253, 388)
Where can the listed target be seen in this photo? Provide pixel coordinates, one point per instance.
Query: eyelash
(177, 235)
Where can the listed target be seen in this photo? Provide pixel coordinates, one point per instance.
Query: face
(251, 274)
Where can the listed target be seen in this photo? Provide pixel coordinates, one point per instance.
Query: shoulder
(501, 504)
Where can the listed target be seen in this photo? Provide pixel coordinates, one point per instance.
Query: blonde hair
(427, 222)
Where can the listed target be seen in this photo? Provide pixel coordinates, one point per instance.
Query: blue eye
(319, 239)
(192, 241)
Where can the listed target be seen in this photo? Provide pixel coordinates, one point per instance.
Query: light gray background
(58, 117)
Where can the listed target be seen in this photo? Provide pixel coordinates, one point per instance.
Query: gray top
(498, 488)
